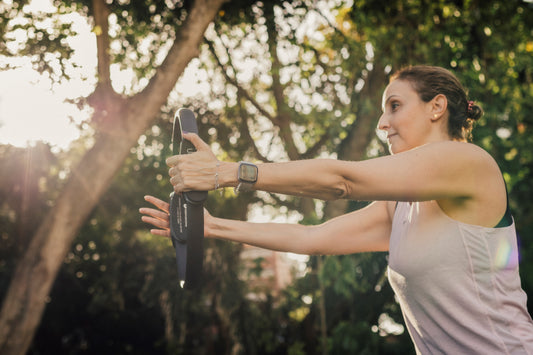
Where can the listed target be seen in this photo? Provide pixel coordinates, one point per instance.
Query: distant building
(267, 271)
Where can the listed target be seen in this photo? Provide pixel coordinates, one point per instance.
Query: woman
(440, 210)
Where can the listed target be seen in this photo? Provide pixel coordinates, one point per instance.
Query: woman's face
(406, 118)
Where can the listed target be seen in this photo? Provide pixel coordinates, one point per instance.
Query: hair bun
(473, 111)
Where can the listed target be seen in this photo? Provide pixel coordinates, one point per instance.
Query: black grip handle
(186, 123)
(186, 211)
(176, 218)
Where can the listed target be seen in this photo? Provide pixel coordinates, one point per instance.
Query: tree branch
(233, 81)
(104, 99)
(283, 110)
(185, 47)
(315, 148)
(245, 130)
(101, 30)
(245, 133)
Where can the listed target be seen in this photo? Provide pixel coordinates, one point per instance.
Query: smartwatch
(247, 176)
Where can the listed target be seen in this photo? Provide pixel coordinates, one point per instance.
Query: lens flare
(505, 256)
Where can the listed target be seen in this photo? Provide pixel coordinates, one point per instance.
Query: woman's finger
(154, 213)
(172, 161)
(161, 232)
(156, 222)
(162, 205)
(175, 180)
(198, 143)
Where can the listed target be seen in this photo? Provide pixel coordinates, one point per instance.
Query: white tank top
(457, 284)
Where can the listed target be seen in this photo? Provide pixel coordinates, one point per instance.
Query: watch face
(247, 172)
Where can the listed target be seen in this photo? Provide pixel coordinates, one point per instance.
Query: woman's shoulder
(457, 146)
(463, 151)
(479, 175)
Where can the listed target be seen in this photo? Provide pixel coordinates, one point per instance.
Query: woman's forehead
(399, 88)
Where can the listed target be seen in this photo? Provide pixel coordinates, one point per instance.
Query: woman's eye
(394, 106)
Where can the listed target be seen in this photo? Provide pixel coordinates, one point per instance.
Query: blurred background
(88, 90)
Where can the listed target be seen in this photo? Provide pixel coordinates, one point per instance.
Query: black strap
(187, 211)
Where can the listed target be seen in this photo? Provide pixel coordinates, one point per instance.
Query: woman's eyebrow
(388, 99)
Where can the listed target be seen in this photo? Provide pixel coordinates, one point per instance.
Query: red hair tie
(470, 104)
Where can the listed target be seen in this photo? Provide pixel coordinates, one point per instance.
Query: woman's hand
(158, 218)
(196, 171)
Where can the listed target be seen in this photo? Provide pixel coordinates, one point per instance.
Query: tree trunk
(36, 270)
(362, 131)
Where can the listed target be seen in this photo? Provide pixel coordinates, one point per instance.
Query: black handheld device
(187, 211)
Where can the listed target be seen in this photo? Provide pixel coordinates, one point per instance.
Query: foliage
(280, 88)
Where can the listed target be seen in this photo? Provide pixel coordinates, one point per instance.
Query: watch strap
(244, 186)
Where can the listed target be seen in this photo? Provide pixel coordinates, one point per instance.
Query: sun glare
(30, 111)
(31, 107)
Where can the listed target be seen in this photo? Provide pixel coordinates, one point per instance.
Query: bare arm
(441, 170)
(364, 230)
(436, 171)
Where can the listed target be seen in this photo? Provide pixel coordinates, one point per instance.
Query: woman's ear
(439, 104)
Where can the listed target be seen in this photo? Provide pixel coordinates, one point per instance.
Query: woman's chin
(395, 149)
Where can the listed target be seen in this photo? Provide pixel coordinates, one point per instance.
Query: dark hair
(429, 81)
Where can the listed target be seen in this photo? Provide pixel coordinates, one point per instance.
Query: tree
(300, 95)
(315, 96)
(118, 121)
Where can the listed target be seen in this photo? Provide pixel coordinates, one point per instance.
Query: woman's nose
(383, 123)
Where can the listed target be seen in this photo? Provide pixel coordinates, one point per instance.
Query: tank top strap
(507, 218)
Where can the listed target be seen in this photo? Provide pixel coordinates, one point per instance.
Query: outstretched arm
(447, 170)
(364, 230)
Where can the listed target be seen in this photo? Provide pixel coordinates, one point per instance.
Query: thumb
(198, 143)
